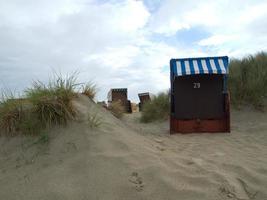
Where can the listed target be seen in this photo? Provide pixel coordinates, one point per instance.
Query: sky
(121, 43)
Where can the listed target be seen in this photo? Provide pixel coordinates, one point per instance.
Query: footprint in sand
(137, 181)
(160, 148)
(160, 144)
(235, 193)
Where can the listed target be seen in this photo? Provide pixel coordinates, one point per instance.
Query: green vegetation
(94, 121)
(89, 90)
(47, 105)
(43, 106)
(43, 138)
(52, 102)
(248, 81)
(11, 113)
(116, 109)
(157, 109)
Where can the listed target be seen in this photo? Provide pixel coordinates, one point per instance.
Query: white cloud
(115, 58)
(31, 12)
(130, 16)
(102, 41)
(217, 40)
(115, 42)
(177, 15)
(233, 26)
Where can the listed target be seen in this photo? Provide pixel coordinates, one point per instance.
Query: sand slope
(128, 160)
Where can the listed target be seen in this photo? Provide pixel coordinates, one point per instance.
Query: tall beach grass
(42, 106)
(52, 102)
(248, 80)
(156, 109)
(89, 89)
(10, 113)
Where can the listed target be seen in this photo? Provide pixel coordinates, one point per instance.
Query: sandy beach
(127, 160)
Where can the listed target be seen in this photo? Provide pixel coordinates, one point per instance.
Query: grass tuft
(10, 115)
(52, 102)
(90, 90)
(44, 138)
(94, 121)
(44, 106)
(12, 111)
(156, 109)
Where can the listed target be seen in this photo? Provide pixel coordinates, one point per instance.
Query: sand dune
(124, 159)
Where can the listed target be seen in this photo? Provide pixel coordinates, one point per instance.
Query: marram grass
(43, 106)
(248, 81)
(89, 90)
(157, 109)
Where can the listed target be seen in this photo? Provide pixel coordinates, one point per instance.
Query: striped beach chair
(199, 95)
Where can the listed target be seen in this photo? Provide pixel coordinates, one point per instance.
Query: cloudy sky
(122, 43)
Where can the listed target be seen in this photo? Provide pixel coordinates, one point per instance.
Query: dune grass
(94, 120)
(89, 89)
(10, 114)
(52, 102)
(156, 109)
(43, 106)
(117, 109)
(248, 81)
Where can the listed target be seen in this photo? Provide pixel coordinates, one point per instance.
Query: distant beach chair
(143, 97)
(120, 95)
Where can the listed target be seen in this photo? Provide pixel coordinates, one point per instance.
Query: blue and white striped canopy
(191, 66)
